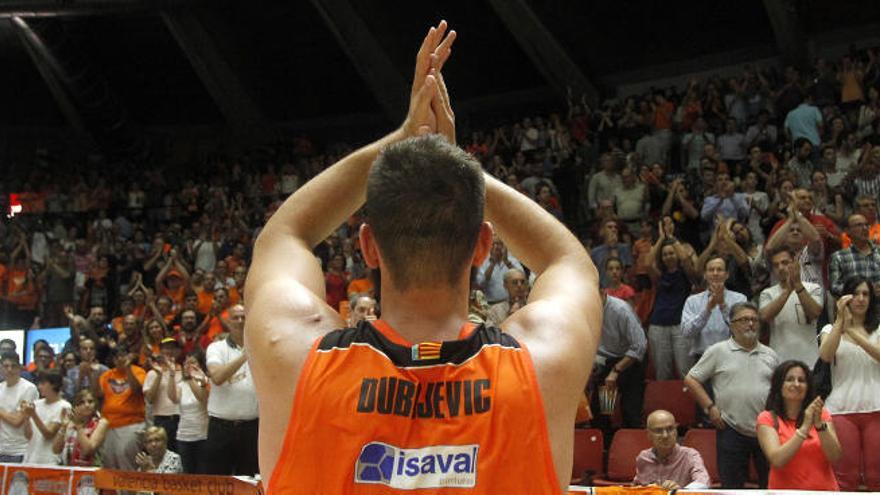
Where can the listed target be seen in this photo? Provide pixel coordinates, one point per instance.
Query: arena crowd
(733, 221)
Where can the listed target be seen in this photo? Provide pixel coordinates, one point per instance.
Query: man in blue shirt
(805, 121)
(705, 318)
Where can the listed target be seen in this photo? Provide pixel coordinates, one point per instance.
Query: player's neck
(429, 314)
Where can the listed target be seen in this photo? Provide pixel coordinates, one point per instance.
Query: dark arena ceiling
(192, 62)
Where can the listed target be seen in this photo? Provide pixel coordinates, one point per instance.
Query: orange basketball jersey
(375, 414)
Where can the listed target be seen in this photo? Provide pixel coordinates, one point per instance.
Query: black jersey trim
(451, 352)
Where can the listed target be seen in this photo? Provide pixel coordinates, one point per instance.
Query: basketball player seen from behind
(420, 399)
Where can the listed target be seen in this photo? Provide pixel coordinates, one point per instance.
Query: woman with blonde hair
(156, 458)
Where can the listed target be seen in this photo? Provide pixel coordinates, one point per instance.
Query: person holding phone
(852, 345)
(795, 432)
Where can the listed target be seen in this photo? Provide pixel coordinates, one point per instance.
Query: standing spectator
(232, 404)
(761, 133)
(801, 164)
(13, 391)
(852, 345)
(121, 389)
(611, 247)
(798, 233)
(732, 144)
(605, 182)
(667, 464)
(86, 374)
(82, 432)
(864, 180)
(739, 370)
(790, 309)
(156, 458)
(672, 271)
(805, 121)
(631, 199)
(58, 279)
(705, 320)
(517, 286)
(725, 203)
(157, 383)
(694, 143)
(865, 206)
(44, 418)
(796, 434)
(619, 361)
(191, 393)
(616, 287)
(861, 259)
(758, 203)
(336, 280)
(490, 275)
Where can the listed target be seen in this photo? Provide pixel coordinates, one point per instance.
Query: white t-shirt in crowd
(39, 448)
(162, 405)
(12, 440)
(791, 335)
(236, 398)
(855, 378)
(193, 425)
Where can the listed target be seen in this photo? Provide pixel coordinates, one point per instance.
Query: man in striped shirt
(862, 258)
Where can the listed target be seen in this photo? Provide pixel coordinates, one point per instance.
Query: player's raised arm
(283, 251)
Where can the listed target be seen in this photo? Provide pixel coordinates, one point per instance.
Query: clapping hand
(144, 461)
(27, 407)
(844, 315)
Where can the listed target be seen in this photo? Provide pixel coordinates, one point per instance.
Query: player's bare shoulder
(283, 320)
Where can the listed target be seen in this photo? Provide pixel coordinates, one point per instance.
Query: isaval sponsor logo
(437, 466)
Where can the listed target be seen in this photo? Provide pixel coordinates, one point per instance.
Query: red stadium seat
(704, 441)
(625, 447)
(589, 451)
(671, 395)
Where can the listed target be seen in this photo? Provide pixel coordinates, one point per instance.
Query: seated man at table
(667, 464)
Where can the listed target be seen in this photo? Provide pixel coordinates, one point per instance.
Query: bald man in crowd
(668, 464)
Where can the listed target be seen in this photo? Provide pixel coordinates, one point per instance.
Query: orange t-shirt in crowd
(809, 469)
(20, 291)
(206, 299)
(215, 328)
(873, 234)
(234, 296)
(177, 296)
(122, 405)
(375, 414)
(360, 286)
(663, 115)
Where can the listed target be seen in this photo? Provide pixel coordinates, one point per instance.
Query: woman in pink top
(796, 434)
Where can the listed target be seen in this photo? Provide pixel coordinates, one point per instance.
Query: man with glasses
(866, 206)
(13, 392)
(861, 258)
(667, 464)
(739, 370)
(791, 308)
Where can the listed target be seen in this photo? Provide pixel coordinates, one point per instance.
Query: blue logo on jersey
(450, 466)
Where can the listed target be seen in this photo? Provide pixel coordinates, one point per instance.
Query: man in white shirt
(13, 391)
(232, 405)
(44, 418)
(791, 308)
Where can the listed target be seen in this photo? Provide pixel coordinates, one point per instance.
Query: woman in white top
(191, 393)
(852, 345)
